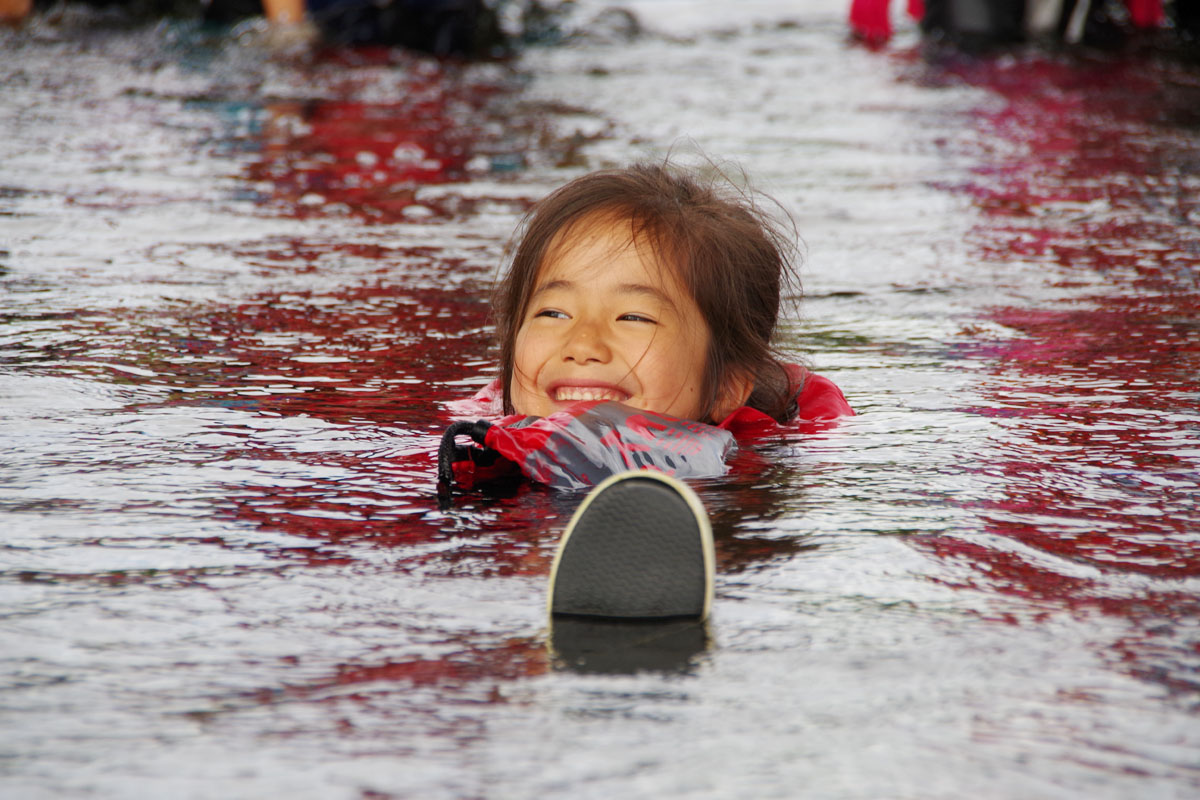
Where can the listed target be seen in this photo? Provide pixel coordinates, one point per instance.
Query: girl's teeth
(584, 394)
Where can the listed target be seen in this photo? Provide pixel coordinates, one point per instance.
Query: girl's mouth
(570, 394)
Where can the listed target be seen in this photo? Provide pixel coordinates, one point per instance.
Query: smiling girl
(651, 289)
(656, 289)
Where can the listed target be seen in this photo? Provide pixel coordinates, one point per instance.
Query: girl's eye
(636, 318)
(553, 313)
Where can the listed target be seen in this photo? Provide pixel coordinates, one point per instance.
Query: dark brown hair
(735, 261)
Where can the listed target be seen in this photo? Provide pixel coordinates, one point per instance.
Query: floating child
(636, 326)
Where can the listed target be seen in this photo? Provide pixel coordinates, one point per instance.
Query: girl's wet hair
(736, 261)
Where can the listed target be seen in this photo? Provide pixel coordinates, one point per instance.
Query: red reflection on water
(371, 158)
(513, 659)
(367, 353)
(421, 126)
(1096, 396)
(453, 677)
(1094, 393)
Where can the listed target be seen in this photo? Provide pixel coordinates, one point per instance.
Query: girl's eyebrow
(551, 286)
(650, 291)
(624, 288)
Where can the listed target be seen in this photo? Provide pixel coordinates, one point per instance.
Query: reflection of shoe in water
(589, 645)
(638, 547)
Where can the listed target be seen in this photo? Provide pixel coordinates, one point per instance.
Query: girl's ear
(734, 394)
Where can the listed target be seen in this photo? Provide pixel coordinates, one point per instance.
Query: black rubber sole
(638, 547)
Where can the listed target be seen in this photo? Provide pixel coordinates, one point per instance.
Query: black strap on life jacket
(451, 451)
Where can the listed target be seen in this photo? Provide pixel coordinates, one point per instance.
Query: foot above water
(638, 547)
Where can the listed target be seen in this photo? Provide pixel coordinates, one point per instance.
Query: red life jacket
(585, 442)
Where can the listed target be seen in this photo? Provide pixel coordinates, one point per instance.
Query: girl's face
(607, 321)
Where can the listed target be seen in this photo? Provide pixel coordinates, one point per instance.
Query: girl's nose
(586, 342)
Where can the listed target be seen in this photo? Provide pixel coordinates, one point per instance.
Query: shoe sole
(639, 546)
